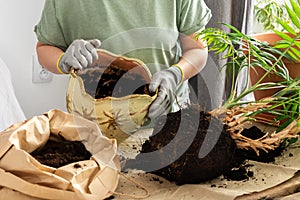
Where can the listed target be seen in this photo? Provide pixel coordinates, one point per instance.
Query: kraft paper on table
(27, 179)
(23, 177)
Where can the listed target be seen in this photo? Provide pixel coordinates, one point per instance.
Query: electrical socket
(39, 73)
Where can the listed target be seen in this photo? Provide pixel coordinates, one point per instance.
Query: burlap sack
(118, 117)
(23, 177)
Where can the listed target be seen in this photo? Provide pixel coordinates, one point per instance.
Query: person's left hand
(165, 82)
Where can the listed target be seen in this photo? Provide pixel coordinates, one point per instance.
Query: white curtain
(212, 85)
(10, 110)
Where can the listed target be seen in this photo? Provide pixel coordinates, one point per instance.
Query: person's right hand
(79, 55)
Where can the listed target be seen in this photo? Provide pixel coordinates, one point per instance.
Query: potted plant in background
(279, 22)
(255, 55)
(268, 11)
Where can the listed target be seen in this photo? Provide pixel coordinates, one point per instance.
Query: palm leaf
(292, 14)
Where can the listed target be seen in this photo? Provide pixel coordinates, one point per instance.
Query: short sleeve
(193, 16)
(48, 29)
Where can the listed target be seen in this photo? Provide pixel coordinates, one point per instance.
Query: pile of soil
(60, 153)
(188, 130)
(112, 81)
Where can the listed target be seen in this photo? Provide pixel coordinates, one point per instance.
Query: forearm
(194, 57)
(192, 62)
(48, 56)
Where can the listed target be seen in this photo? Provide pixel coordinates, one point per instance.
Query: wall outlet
(39, 73)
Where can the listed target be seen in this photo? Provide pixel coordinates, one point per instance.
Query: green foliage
(290, 41)
(290, 36)
(286, 103)
(268, 12)
(242, 51)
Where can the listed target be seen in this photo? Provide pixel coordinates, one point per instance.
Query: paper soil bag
(118, 117)
(23, 177)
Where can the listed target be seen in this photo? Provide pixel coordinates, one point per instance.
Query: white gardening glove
(79, 55)
(166, 82)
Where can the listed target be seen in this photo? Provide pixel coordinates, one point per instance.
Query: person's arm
(48, 56)
(166, 81)
(80, 54)
(194, 56)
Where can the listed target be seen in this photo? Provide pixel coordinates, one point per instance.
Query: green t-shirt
(143, 29)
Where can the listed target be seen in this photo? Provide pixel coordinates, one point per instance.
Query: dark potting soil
(59, 153)
(243, 172)
(240, 173)
(110, 197)
(253, 132)
(112, 81)
(266, 157)
(176, 143)
(177, 139)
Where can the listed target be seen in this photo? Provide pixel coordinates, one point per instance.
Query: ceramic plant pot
(257, 73)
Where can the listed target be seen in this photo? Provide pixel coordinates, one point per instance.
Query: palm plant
(243, 51)
(268, 11)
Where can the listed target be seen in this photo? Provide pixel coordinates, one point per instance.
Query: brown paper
(118, 118)
(26, 178)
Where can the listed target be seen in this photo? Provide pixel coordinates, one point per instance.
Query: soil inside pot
(188, 130)
(112, 81)
(59, 153)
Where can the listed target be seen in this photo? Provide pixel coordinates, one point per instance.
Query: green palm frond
(242, 51)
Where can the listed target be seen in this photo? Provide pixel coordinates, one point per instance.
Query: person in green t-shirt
(158, 32)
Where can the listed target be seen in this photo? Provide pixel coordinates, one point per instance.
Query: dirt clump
(190, 145)
(240, 173)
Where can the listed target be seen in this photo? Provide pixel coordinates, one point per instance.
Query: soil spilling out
(177, 140)
(112, 81)
(59, 153)
(241, 173)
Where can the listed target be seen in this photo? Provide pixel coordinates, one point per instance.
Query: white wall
(17, 45)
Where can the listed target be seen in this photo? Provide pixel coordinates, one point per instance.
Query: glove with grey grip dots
(80, 54)
(166, 82)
